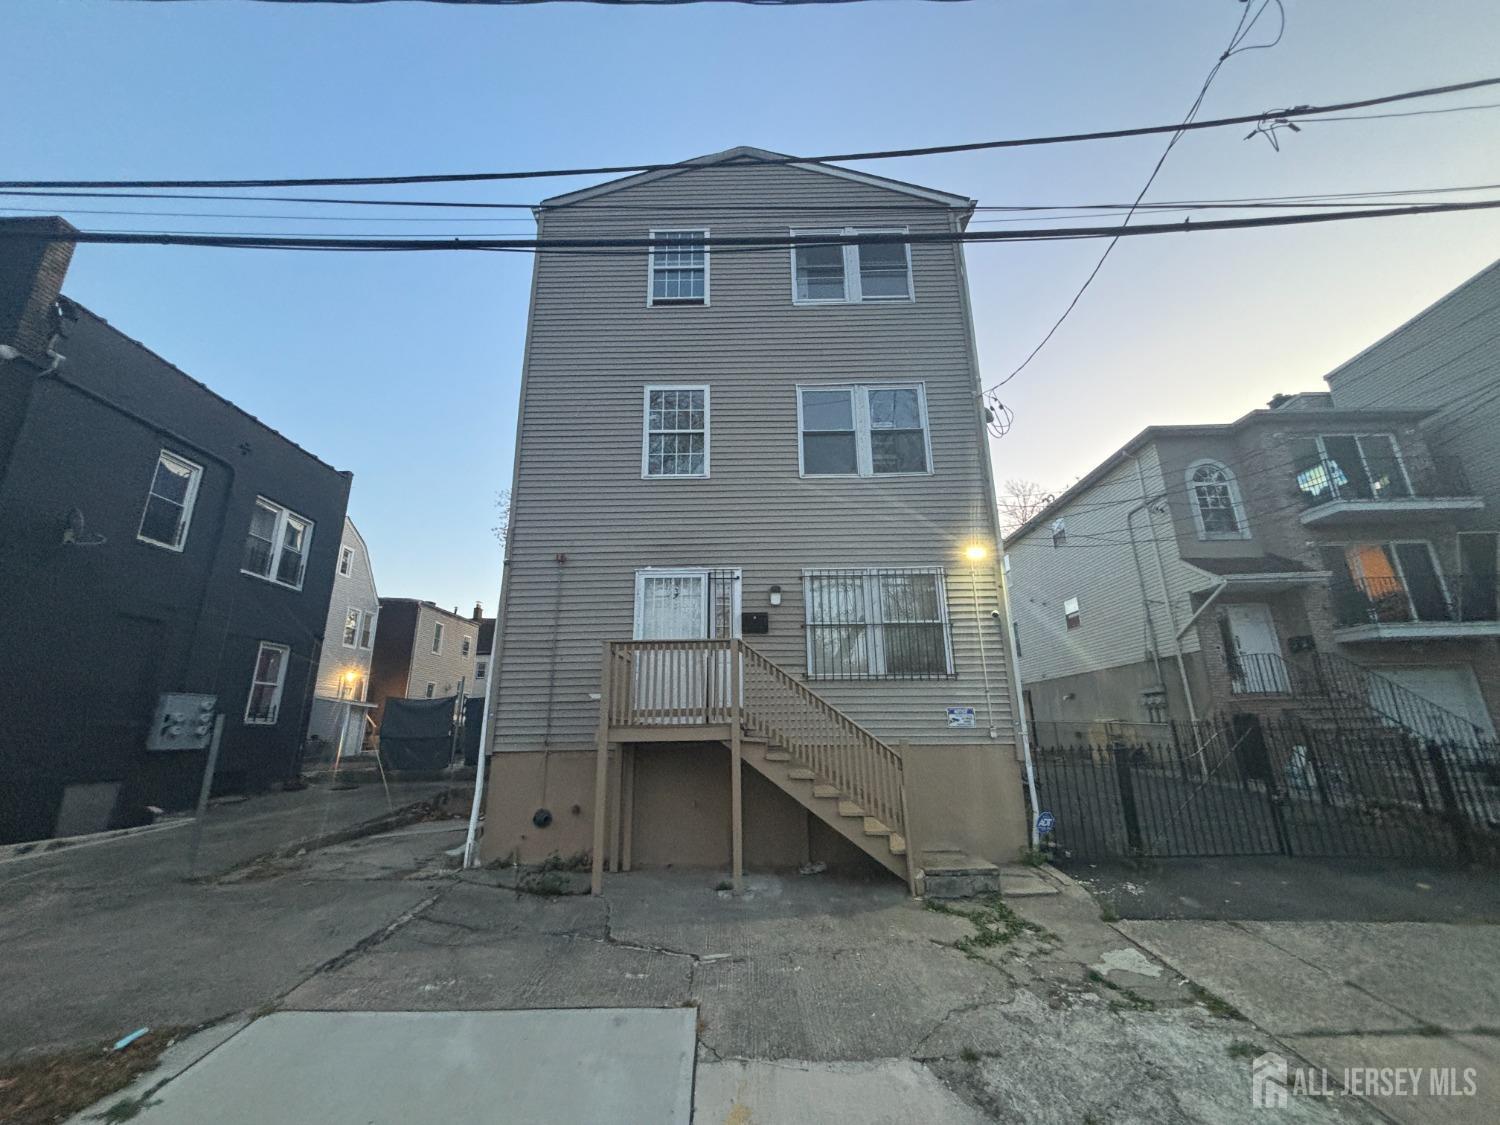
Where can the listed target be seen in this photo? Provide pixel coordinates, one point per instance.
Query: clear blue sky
(404, 368)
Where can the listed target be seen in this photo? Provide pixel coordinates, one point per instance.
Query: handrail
(660, 683)
(1398, 704)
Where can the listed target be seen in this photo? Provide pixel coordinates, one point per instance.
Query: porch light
(975, 553)
(775, 595)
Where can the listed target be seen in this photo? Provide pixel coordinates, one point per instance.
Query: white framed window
(1071, 617)
(367, 629)
(169, 502)
(678, 267)
(465, 646)
(277, 546)
(1218, 509)
(877, 429)
(832, 273)
(266, 681)
(1351, 467)
(346, 560)
(868, 623)
(674, 438)
(437, 636)
(353, 623)
(480, 668)
(431, 687)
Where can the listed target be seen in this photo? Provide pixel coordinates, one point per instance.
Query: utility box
(183, 721)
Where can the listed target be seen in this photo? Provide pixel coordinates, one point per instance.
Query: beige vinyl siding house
(589, 518)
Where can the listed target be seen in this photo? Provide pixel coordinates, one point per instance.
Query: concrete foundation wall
(1065, 705)
(967, 798)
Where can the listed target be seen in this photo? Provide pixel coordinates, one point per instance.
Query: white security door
(671, 605)
(1257, 650)
(683, 604)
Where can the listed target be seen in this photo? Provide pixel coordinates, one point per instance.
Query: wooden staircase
(724, 690)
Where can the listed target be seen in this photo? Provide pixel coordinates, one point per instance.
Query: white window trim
(431, 690)
(437, 638)
(646, 430)
(367, 637)
(466, 647)
(671, 302)
(359, 624)
(188, 501)
(1236, 501)
(704, 572)
(863, 456)
(286, 657)
(283, 514)
(874, 617)
(346, 560)
(853, 294)
(1363, 460)
(1074, 612)
(1400, 568)
(481, 667)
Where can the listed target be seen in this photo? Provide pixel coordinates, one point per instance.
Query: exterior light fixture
(975, 553)
(775, 595)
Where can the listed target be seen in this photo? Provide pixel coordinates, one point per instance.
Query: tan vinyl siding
(448, 670)
(1095, 566)
(1446, 358)
(594, 345)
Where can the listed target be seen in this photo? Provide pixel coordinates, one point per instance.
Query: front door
(1257, 667)
(683, 604)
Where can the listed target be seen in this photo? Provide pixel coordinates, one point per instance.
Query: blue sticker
(1046, 822)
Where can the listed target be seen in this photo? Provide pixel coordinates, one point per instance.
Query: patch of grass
(1242, 1049)
(1216, 1005)
(544, 883)
(51, 1088)
(1033, 857)
(578, 861)
(995, 924)
(1108, 913)
(969, 1055)
(1126, 999)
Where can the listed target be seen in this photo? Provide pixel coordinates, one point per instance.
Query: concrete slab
(881, 1092)
(1420, 1106)
(1280, 992)
(553, 1067)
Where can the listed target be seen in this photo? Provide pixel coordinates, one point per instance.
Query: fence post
(1127, 800)
(1451, 808)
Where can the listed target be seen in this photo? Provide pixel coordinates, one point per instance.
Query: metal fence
(1253, 785)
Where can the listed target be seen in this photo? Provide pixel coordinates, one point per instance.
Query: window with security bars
(679, 267)
(676, 437)
(877, 624)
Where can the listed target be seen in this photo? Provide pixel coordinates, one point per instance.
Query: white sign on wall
(960, 716)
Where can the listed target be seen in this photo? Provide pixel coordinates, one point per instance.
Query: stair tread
(778, 756)
(798, 773)
(897, 843)
(849, 808)
(827, 791)
(874, 827)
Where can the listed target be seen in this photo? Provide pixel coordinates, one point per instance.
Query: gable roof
(747, 155)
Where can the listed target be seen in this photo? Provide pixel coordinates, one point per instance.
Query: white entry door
(683, 604)
(1257, 650)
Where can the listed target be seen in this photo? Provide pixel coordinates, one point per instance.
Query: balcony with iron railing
(1391, 609)
(1332, 494)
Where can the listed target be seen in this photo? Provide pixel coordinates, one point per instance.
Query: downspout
(1208, 601)
(1140, 575)
(987, 473)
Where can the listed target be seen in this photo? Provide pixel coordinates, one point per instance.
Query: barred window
(679, 267)
(676, 432)
(877, 623)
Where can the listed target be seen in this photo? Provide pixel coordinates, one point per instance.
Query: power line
(775, 160)
(727, 244)
(1241, 30)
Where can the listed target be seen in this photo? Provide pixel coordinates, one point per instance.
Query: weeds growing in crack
(1125, 999)
(1243, 1049)
(1216, 1005)
(995, 925)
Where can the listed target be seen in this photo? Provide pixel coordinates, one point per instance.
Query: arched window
(1217, 508)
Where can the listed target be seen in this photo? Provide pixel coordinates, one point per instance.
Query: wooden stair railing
(693, 682)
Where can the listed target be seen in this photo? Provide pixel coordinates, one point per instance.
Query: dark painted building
(154, 537)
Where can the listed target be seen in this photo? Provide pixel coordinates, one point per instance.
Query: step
(897, 843)
(777, 756)
(821, 790)
(954, 874)
(849, 808)
(874, 827)
(799, 774)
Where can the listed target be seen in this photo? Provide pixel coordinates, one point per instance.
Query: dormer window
(1218, 510)
(679, 268)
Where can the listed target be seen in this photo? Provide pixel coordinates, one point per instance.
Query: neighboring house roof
(1258, 564)
(430, 605)
(69, 305)
(745, 154)
(1320, 417)
(1431, 310)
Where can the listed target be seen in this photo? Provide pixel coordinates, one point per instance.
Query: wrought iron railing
(1385, 601)
(1366, 690)
(1322, 480)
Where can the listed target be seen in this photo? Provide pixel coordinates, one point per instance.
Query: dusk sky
(405, 368)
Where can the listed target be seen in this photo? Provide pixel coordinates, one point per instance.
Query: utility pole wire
(728, 244)
(1241, 30)
(884, 154)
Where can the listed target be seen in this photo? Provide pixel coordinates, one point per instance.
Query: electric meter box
(183, 721)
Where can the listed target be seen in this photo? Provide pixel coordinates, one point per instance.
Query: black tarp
(417, 734)
(473, 722)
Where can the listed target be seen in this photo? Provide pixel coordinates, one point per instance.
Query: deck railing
(675, 683)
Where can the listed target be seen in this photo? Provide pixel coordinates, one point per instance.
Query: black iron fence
(1253, 785)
